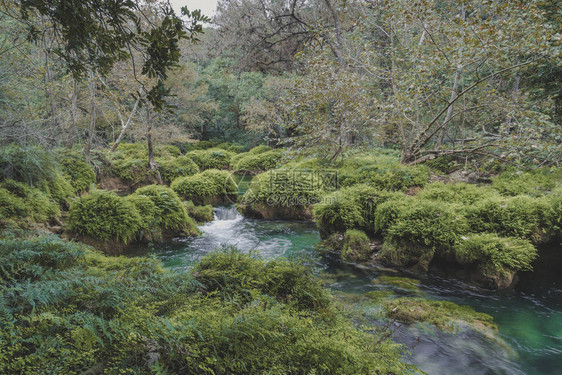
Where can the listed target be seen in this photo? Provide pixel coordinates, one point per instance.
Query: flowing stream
(529, 316)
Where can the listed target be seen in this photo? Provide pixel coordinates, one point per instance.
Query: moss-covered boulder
(171, 216)
(201, 214)
(535, 183)
(356, 246)
(172, 168)
(494, 260)
(419, 231)
(444, 315)
(348, 208)
(105, 220)
(209, 187)
(521, 216)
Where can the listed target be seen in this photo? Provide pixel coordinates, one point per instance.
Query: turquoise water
(529, 316)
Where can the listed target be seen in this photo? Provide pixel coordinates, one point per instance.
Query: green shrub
(355, 246)
(104, 216)
(67, 309)
(166, 151)
(420, 230)
(258, 162)
(496, 254)
(30, 164)
(18, 200)
(171, 215)
(147, 210)
(351, 207)
(210, 186)
(456, 193)
(172, 168)
(382, 172)
(535, 183)
(129, 163)
(201, 214)
(388, 212)
(213, 158)
(59, 189)
(521, 216)
(80, 174)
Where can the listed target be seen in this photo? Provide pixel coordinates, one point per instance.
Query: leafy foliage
(355, 246)
(201, 214)
(234, 314)
(103, 215)
(18, 201)
(210, 186)
(80, 174)
(172, 168)
(213, 158)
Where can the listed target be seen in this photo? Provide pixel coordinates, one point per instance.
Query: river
(529, 316)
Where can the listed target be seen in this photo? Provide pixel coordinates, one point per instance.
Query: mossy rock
(201, 214)
(148, 212)
(349, 208)
(209, 187)
(105, 217)
(495, 260)
(420, 230)
(171, 216)
(356, 246)
(378, 295)
(445, 315)
(406, 283)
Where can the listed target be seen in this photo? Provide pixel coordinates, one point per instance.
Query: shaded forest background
(455, 78)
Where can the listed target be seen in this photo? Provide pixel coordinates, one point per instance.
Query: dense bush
(456, 193)
(19, 201)
(521, 216)
(208, 187)
(170, 216)
(104, 216)
(66, 309)
(535, 183)
(80, 174)
(420, 230)
(213, 158)
(348, 208)
(383, 172)
(258, 162)
(172, 168)
(355, 246)
(31, 164)
(495, 254)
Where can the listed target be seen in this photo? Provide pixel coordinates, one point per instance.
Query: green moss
(420, 230)
(536, 183)
(104, 216)
(521, 216)
(201, 214)
(398, 282)
(378, 295)
(172, 168)
(80, 174)
(147, 210)
(171, 215)
(443, 314)
(210, 186)
(495, 254)
(213, 158)
(388, 212)
(355, 246)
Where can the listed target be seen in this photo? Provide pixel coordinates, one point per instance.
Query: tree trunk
(124, 126)
(151, 162)
(73, 114)
(88, 146)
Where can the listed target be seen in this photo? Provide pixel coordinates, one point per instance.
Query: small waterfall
(227, 213)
